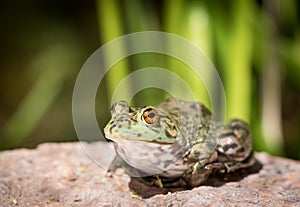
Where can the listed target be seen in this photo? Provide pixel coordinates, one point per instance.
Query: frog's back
(193, 118)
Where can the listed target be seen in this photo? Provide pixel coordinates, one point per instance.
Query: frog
(176, 143)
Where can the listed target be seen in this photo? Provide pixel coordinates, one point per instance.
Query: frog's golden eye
(150, 116)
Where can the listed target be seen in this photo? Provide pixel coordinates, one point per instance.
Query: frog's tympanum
(177, 143)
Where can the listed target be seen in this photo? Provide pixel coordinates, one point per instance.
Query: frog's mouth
(154, 141)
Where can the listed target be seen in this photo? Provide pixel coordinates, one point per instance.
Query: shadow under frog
(139, 187)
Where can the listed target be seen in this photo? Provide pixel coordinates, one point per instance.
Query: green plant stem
(110, 27)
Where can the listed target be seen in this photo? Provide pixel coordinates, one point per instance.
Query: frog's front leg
(197, 175)
(115, 164)
(118, 162)
(200, 171)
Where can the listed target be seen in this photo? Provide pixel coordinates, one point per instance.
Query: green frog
(177, 143)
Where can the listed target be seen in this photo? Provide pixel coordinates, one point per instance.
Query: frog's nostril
(131, 110)
(112, 108)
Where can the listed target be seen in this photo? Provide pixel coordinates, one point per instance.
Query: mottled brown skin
(177, 143)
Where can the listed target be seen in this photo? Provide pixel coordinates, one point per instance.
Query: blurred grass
(108, 12)
(146, 20)
(191, 22)
(243, 38)
(236, 56)
(42, 94)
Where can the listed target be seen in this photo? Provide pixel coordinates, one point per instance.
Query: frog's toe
(198, 175)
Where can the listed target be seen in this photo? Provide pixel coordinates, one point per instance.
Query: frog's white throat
(150, 157)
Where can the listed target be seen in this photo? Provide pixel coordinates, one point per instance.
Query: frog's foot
(136, 196)
(197, 175)
(227, 167)
(233, 166)
(163, 182)
(158, 182)
(222, 167)
(154, 180)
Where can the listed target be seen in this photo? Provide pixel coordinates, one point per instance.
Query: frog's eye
(149, 116)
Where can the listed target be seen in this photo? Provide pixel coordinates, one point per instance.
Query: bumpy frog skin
(176, 143)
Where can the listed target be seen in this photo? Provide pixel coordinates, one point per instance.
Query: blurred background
(255, 45)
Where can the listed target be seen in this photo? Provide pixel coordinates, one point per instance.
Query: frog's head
(151, 124)
(147, 138)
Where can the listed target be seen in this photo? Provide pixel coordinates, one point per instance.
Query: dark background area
(45, 43)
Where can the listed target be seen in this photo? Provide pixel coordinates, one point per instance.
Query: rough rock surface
(64, 175)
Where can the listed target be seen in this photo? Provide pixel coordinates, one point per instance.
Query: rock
(65, 175)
